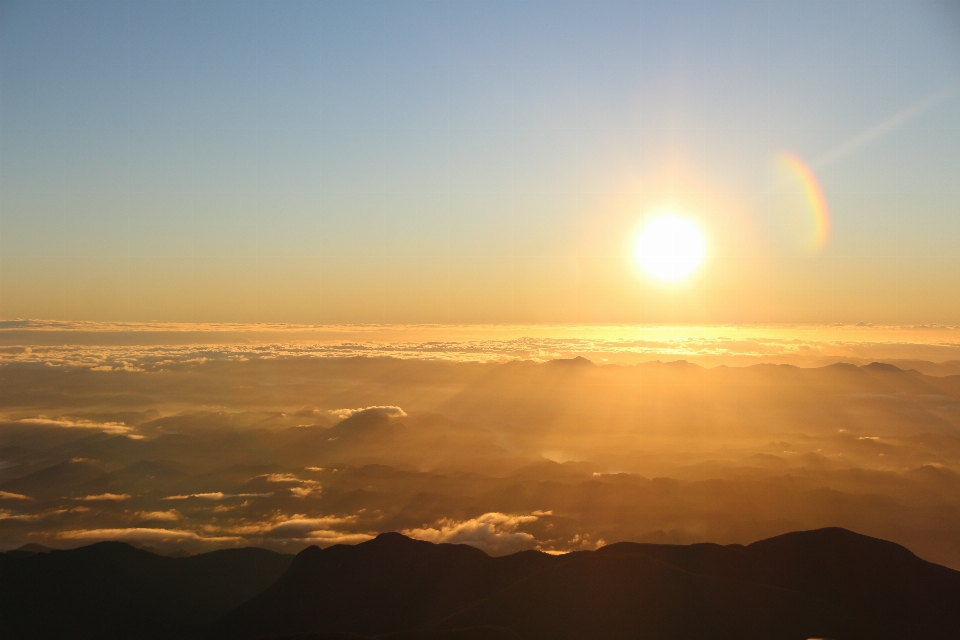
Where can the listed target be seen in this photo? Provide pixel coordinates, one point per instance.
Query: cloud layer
(558, 456)
(133, 347)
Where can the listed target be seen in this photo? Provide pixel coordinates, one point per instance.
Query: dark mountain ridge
(824, 583)
(114, 590)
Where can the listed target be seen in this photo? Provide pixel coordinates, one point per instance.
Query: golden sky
(493, 163)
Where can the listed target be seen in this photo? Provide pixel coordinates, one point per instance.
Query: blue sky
(471, 162)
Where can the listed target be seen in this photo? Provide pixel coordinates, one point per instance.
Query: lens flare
(816, 201)
(670, 248)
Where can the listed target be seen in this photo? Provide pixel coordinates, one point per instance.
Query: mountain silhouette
(113, 590)
(54, 481)
(825, 583)
(828, 583)
(29, 549)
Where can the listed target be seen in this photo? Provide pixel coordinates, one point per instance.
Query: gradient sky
(475, 162)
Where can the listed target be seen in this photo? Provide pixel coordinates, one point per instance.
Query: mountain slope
(824, 583)
(389, 584)
(113, 590)
(827, 583)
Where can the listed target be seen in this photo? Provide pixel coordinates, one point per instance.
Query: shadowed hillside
(113, 590)
(825, 583)
(812, 584)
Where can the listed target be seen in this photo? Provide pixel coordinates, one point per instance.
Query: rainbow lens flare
(801, 172)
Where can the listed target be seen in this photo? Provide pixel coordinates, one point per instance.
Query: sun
(669, 248)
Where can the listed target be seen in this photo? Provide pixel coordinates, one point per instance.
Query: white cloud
(495, 533)
(5, 495)
(387, 410)
(116, 497)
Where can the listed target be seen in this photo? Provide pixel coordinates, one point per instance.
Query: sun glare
(669, 248)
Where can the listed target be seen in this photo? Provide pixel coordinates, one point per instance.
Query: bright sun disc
(670, 248)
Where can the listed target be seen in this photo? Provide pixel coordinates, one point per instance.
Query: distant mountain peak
(883, 366)
(578, 361)
(29, 549)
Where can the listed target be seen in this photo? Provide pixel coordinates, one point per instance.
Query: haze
(520, 275)
(186, 447)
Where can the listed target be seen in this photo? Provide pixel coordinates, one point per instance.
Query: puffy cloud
(172, 514)
(116, 497)
(6, 495)
(387, 410)
(495, 533)
(585, 542)
(304, 491)
(139, 534)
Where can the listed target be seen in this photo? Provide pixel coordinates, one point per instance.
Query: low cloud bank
(6, 514)
(142, 534)
(172, 514)
(136, 347)
(218, 495)
(297, 527)
(495, 533)
(303, 489)
(113, 428)
(281, 529)
(112, 497)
